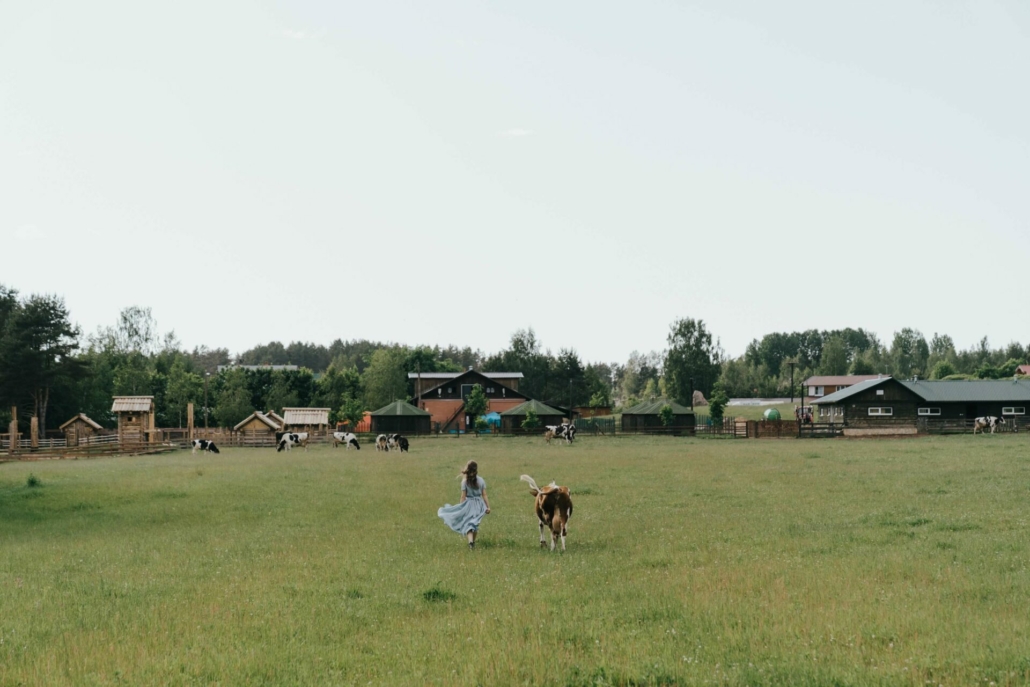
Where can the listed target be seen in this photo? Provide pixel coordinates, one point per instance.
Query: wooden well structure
(257, 430)
(135, 419)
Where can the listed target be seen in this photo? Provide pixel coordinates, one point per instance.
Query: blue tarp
(493, 419)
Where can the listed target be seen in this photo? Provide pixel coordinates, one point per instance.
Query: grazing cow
(287, 440)
(565, 430)
(553, 509)
(548, 435)
(347, 439)
(381, 443)
(204, 445)
(982, 423)
(396, 442)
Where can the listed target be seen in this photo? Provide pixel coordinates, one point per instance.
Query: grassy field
(690, 561)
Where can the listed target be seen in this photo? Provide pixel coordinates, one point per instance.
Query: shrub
(32, 482)
(532, 421)
(666, 415)
(435, 594)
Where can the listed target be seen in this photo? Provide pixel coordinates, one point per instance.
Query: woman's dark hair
(471, 473)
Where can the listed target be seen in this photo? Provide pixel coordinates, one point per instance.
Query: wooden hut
(257, 430)
(401, 418)
(135, 418)
(644, 417)
(314, 420)
(276, 418)
(79, 428)
(511, 419)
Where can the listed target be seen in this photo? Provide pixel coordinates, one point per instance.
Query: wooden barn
(401, 417)
(79, 428)
(276, 418)
(257, 430)
(135, 418)
(314, 420)
(511, 419)
(644, 417)
(892, 406)
(445, 401)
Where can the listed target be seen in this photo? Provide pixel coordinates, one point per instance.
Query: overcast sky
(451, 171)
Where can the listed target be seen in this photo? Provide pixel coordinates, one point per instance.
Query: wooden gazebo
(401, 418)
(644, 417)
(135, 418)
(511, 419)
(79, 428)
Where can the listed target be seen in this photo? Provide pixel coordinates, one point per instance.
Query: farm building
(258, 429)
(135, 418)
(79, 428)
(401, 418)
(892, 406)
(424, 381)
(1023, 370)
(645, 416)
(511, 419)
(276, 418)
(591, 411)
(446, 401)
(306, 419)
(821, 385)
(364, 426)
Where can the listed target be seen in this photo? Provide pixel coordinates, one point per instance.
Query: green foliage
(600, 399)
(33, 482)
(477, 403)
(183, 388)
(352, 412)
(281, 394)
(666, 415)
(233, 403)
(942, 369)
(481, 425)
(692, 354)
(531, 421)
(717, 404)
(909, 353)
(385, 379)
(861, 365)
(834, 357)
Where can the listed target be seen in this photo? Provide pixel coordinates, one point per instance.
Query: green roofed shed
(400, 417)
(644, 416)
(511, 419)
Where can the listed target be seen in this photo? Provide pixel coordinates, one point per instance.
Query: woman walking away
(464, 518)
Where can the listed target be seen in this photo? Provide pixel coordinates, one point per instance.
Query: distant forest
(50, 369)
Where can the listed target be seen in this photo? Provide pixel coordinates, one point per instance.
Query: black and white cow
(287, 440)
(565, 430)
(347, 439)
(204, 445)
(381, 443)
(982, 423)
(397, 443)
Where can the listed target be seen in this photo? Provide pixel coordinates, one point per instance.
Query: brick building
(444, 399)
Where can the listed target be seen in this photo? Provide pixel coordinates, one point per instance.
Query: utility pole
(206, 376)
(792, 364)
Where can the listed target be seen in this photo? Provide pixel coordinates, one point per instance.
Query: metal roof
(537, 407)
(133, 404)
(455, 375)
(306, 416)
(398, 408)
(972, 390)
(946, 391)
(84, 418)
(838, 396)
(838, 380)
(652, 408)
(271, 424)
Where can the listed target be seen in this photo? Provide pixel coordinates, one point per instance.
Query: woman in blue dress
(464, 518)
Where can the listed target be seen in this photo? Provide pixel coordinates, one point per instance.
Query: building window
(879, 392)
(489, 389)
(816, 391)
(1013, 411)
(929, 411)
(838, 410)
(881, 411)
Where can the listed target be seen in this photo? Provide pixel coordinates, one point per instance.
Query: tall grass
(736, 562)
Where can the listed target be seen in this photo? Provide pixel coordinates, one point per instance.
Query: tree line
(51, 370)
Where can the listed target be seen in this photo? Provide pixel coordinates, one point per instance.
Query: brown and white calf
(553, 510)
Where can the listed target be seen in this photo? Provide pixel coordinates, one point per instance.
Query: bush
(666, 415)
(717, 404)
(32, 482)
(532, 421)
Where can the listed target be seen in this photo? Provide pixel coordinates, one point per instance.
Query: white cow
(287, 440)
(347, 439)
(982, 423)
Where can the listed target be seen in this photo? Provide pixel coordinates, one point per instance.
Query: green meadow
(690, 561)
